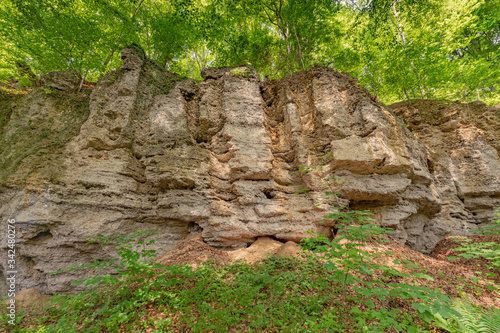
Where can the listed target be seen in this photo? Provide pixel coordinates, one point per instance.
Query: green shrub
(130, 264)
(492, 229)
(241, 72)
(355, 269)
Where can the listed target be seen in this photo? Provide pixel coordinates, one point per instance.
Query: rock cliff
(147, 150)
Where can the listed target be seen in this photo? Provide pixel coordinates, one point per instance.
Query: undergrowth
(343, 290)
(470, 319)
(276, 295)
(487, 250)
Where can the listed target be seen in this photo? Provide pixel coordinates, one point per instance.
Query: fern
(487, 250)
(471, 319)
(490, 322)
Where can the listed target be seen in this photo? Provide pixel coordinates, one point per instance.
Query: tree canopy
(398, 49)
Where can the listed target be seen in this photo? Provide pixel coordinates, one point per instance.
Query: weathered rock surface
(463, 145)
(220, 159)
(63, 81)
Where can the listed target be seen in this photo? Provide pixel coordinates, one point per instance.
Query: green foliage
(492, 229)
(343, 290)
(469, 319)
(241, 72)
(130, 264)
(356, 269)
(87, 35)
(431, 58)
(115, 300)
(278, 294)
(362, 279)
(487, 250)
(452, 54)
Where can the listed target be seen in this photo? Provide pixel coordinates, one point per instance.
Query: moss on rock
(33, 131)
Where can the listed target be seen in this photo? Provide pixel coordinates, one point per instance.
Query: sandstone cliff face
(463, 144)
(220, 159)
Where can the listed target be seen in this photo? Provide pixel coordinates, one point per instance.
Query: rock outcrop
(463, 145)
(63, 81)
(220, 159)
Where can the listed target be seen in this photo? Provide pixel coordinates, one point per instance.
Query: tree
(399, 49)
